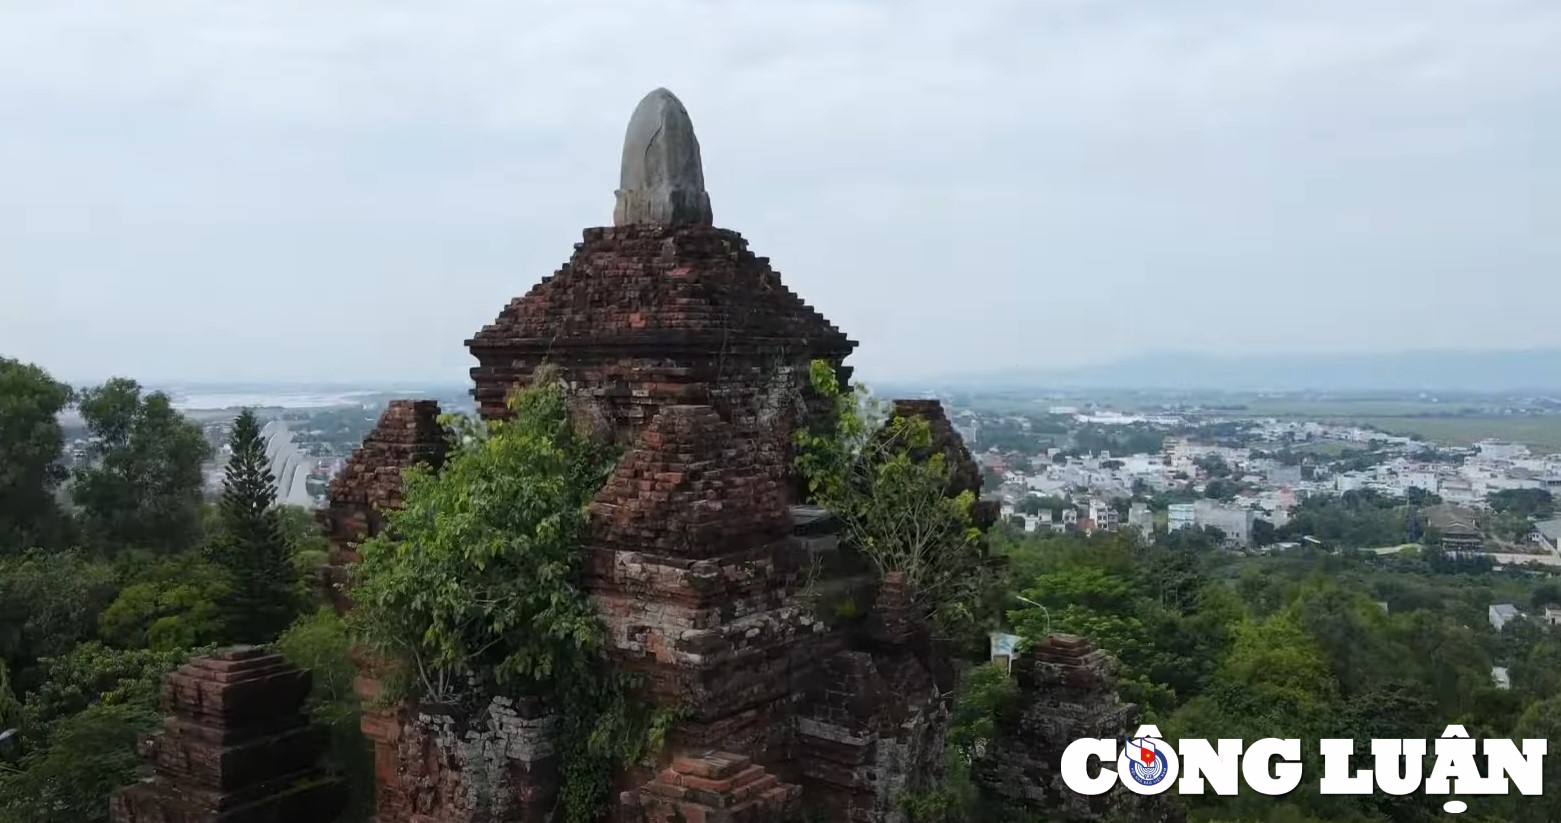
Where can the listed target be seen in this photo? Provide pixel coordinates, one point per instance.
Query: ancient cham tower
(805, 683)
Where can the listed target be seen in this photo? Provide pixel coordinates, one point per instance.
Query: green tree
(1536, 503)
(49, 601)
(172, 604)
(1353, 633)
(481, 575)
(1545, 594)
(1509, 525)
(1542, 721)
(309, 544)
(477, 577)
(94, 674)
(890, 491)
(143, 487)
(1213, 466)
(1221, 489)
(252, 546)
(320, 643)
(30, 446)
(87, 758)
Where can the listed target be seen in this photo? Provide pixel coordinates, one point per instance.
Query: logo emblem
(1146, 764)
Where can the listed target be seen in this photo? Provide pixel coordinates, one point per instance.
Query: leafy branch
(878, 474)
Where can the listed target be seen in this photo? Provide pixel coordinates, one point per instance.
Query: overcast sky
(347, 190)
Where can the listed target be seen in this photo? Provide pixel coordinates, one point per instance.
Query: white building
(1548, 534)
(1500, 450)
(1503, 613)
(1235, 522)
(1181, 516)
(1141, 517)
(1103, 516)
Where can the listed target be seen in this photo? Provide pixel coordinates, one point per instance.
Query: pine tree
(253, 547)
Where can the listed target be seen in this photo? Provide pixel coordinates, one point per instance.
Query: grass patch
(1541, 433)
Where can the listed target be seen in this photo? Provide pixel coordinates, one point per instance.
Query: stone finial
(662, 181)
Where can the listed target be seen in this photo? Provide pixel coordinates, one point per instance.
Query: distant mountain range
(1534, 370)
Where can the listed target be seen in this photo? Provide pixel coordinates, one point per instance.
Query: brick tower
(662, 308)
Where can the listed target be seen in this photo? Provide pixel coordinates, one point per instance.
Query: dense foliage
(477, 580)
(109, 581)
(105, 586)
(481, 576)
(143, 486)
(1306, 644)
(1357, 519)
(30, 445)
(879, 475)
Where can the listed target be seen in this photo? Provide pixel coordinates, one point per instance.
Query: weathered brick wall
(643, 317)
(1067, 690)
(425, 770)
(965, 474)
(694, 572)
(407, 434)
(712, 787)
(237, 749)
(872, 723)
(491, 763)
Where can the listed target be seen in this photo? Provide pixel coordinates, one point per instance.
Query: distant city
(1243, 464)
(1099, 459)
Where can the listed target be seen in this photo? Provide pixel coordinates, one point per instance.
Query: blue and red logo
(1146, 764)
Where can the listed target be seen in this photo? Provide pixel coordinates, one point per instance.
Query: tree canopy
(30, 444)
(143, 485)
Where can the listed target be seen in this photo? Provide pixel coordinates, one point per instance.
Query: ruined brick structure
(714, 787)
(431, 763)
(692, 571)
(237, 749)
(872, 721)
(803, 681)
(1067, 690)
(964, 474)
(407, 434)
(643, 317)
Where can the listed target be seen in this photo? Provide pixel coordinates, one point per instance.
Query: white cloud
(1058, 179)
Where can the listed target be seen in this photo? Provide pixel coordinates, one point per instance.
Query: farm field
(1540, 433)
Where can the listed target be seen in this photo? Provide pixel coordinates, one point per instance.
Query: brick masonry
(964, 474)
(1067, 690)
(643, 317)
(872, 723)
(456, 765)
(237, 749)
(407, 434)
(693, 568)
(714, 787)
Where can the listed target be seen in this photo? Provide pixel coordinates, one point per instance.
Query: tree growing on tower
(252, 545)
